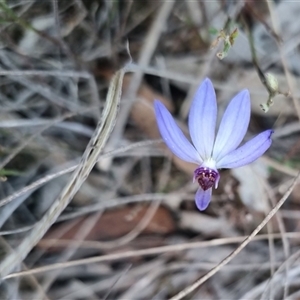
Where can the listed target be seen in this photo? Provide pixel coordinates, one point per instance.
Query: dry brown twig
(88, 161)
(233, 254)
(36, 184)
(135, 253)
(143, 61)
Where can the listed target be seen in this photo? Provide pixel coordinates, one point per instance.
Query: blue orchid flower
(208, 151)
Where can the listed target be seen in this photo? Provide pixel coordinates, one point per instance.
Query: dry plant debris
(92, 203)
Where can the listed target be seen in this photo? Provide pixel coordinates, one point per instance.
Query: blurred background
(132, 230)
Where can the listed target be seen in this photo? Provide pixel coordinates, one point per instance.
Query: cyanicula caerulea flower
(208, 151)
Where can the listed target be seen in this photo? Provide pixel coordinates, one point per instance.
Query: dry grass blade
(127, 254)
(144, 59)
(225, 261)
(36, 184)
(88, 161)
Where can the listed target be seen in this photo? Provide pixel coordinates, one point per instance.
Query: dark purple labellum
(206, 177)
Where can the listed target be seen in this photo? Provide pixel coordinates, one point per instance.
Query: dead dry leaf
(116, 223)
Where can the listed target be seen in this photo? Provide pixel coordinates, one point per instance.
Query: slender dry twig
(89, 159)
(50, 177)
(74, 74)
(286, 245)
(28, 140)
(289, 78)
(128, 254)
(147, 50)
(71, 250)
(180, 247)
(254, 293)
(117, 280)
(232, 255)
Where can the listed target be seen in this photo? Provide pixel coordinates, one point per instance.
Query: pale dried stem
(225, 261)
(289, 78)
(88, 161)
(31, 280)
(285, 242)
(259, 289)
(143, 252)
(27, 141)
(148, 48)
(50, 177)
(80, 236)
(282, 230)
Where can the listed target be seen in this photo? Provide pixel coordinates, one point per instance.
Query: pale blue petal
(173, 136)
(247, 153)
(233, 126)
(202, 198)
(202, 119)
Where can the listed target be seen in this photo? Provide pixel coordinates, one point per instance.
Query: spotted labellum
(209, 151)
